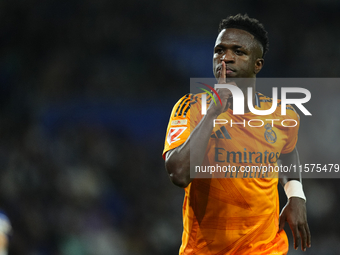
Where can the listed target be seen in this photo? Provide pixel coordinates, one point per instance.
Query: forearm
(191, 153)
(293, 189)
(294, 211)
(291, 158)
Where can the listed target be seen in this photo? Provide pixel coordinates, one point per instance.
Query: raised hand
(225, 94)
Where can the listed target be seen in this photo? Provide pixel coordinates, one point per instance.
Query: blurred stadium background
(86, 93)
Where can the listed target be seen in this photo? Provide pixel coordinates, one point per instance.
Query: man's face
(241, 53)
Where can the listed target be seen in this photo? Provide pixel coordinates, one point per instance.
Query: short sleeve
(292, 118)
(180, 123)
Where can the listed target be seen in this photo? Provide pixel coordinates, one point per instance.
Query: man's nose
(228, 57)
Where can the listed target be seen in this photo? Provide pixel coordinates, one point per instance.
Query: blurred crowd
(87, 88)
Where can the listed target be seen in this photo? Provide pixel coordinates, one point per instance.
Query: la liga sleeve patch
(174, 133)
(179, 122)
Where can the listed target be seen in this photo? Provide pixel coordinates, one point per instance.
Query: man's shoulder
(184, 104)
(266, 103)
(190, 97)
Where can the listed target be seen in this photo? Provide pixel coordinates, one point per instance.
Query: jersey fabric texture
(237, 214)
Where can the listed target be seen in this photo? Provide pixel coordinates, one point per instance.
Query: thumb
(282, 221)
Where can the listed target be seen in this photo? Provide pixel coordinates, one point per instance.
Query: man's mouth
(229, 70)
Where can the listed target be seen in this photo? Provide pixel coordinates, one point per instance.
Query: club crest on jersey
(269, 134)
(174, 133)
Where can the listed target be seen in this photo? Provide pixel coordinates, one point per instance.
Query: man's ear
(258, 65)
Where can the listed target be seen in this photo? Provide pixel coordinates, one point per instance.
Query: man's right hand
(225, 94)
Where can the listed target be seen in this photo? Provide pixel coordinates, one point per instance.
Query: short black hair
(252, 26)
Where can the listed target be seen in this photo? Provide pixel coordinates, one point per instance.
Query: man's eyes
(219, 50)
(239, 52)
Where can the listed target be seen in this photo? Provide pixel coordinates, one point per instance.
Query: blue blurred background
(87, 88)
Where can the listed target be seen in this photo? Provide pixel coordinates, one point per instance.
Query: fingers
(295, 214)
(309, 241)
(296, 236)
(303, 235)
(300, 232)
(223, 73)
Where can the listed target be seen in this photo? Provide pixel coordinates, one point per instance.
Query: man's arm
(177, 161)
(294, 211)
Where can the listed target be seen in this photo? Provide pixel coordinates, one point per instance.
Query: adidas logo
(222, 133)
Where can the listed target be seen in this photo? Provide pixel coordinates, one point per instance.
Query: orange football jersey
(236, 213)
